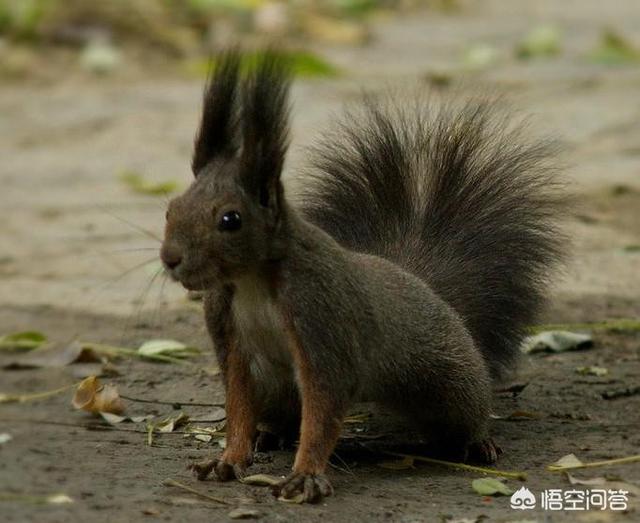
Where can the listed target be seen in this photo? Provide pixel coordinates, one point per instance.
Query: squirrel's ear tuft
(265, 127)
(217, 134)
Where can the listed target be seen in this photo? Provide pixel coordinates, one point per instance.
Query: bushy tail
(456, 197)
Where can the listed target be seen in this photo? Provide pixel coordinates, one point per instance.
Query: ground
(66, 244)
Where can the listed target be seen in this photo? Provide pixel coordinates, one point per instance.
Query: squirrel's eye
(230, 221)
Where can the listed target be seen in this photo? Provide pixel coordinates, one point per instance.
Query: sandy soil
(65, 249)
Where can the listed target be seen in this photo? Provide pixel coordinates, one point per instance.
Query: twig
(172, 403)
(173, 483)
(617, 461)
(23, 398)
(77, 425)
(462, 466)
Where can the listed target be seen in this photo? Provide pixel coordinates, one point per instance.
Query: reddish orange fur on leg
(241, 415)
(241, 421)
(322, 418)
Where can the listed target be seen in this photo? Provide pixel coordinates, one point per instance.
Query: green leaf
(175, 349)
(614, 49)
(491, 487)
(303, 63)
(541, 41)
(26, 340)
(138, 183)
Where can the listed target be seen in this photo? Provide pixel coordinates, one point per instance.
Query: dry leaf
(556, 341)
(5, 437)
(568, 461)
(96, 398)
(59, 499)
(170, 348)
(114, 419)
(171, 423)
(491, 487)
(261, 480)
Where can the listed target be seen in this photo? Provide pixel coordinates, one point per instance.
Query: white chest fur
(261, 333)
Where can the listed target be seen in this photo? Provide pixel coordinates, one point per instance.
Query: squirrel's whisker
(146, 232)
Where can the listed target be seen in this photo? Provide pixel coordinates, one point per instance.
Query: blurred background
(99, 102)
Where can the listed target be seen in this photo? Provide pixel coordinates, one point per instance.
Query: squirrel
(406, 275)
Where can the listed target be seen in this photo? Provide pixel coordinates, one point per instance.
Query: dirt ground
(66, 249)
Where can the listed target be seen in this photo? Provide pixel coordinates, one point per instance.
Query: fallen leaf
(138, 183)
(592, 371)
(480, 56)
(402, 464)
(172, 422)
(171, 348)
(244, 513)
(54, 499)
(203, 437)
(93, 397)
(541, 41)
(5, 437)
(114, 419)
(59, 499)
(568, 461)
(556, 341)
(614, 49)
(491, 487)
(261, 480)
(26, 340)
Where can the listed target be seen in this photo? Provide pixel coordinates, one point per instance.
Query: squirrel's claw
(313, 487)
(223, 470)
(228, 471)
(484, 451)
(202, 469)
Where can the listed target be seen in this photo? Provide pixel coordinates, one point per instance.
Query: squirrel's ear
(265, 128)
(217, 134)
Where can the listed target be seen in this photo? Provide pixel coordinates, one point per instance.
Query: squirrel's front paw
(484, 451)
(312, 487)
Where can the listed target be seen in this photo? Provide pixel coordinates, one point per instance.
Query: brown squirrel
(407, 275)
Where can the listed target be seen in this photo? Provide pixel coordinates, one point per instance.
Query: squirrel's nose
(170, 256)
